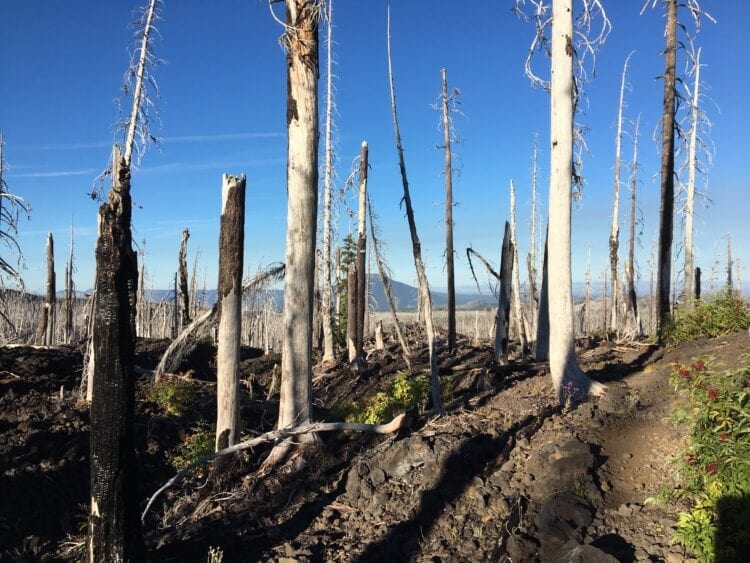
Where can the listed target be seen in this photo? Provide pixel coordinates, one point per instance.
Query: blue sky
(223, 110)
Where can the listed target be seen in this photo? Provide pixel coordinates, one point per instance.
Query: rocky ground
(506, 475)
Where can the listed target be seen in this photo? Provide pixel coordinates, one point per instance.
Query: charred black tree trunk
(697, 285)
(114, 526)
(182, 275)
(449, 215)
(541, 351)
(666, 212)
(352, 308)
(502, 327)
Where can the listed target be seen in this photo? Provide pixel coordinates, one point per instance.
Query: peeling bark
(231, 252)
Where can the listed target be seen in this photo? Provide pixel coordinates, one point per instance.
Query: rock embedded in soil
(564, 466)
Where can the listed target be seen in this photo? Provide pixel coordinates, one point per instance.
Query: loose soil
(505, 475)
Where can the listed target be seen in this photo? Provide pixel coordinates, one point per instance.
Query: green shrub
(715, 466)
(199, 443)
(174, 395)
(727, 312)
(405, 392)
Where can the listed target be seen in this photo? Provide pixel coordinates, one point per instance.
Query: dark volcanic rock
(564, 466)
(561, 519)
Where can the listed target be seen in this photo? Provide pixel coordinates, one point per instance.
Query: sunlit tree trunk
(531, 256)
(614, 234)
(47, 317)
(563, 364)
(689, 272)
(362, 253)
(327, 285)
(231, 251)
(631, 299)
(295, 406)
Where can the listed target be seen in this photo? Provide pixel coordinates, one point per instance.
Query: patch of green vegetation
(199, 443)
(727, 312)
(715, 466)
(176, 396)
(406, 392)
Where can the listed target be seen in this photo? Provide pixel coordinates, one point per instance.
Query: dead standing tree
(385, 278)
(361, 295)
(11, 208)
(666, 209)
(519, 318)
(182, 281)
(564, 44)
(502, 318)
(668, 130)
(114, 529)
(231, 251)
(446, 103)
(301, 41)
(531, 256)
(699, 158)
(632, 318)
(424, 290)
(48, 317)
(328, 172)
(114, 532)
(69, 295)
(614, 234)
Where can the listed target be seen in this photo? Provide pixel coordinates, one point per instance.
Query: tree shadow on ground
(732, 538)
(623, 370)
(616, 546)
(460, 468)
(247, 526)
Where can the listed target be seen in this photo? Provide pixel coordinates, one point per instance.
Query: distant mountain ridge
(405, 296)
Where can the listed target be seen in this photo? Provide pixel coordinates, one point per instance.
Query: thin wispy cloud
(183, 167)
(221, 137)
(58, 173)
(202, 138)
(64, 146)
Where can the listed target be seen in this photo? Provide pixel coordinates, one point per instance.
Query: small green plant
(176, 396)
(715, 466)
(569, 394)
(406, 392)
(199, 443)
(661, 498)
(727, 312)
